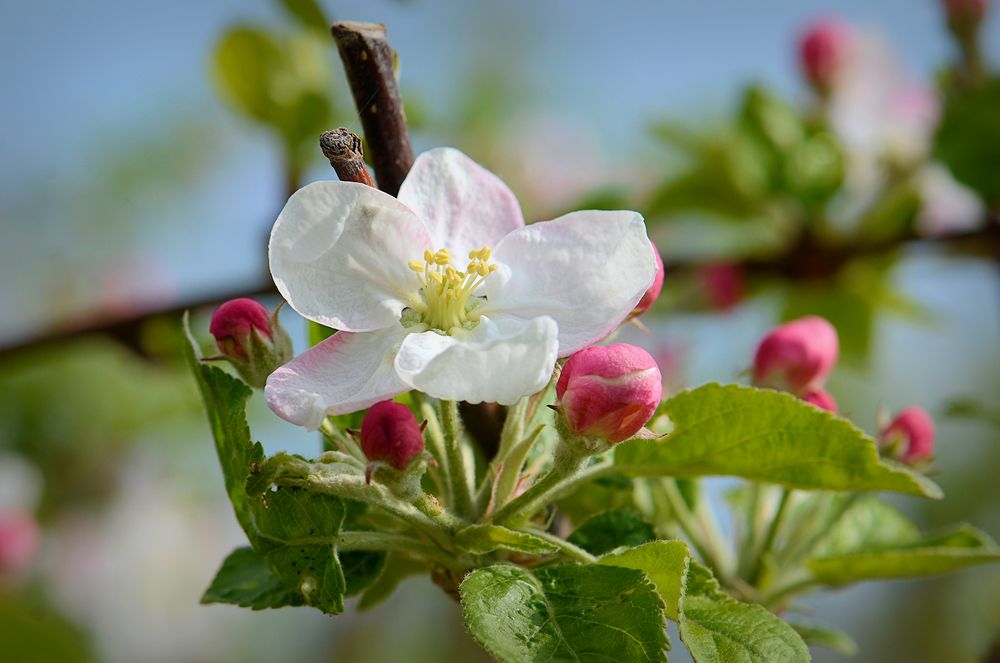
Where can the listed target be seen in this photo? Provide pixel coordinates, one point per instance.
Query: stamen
(447, 293)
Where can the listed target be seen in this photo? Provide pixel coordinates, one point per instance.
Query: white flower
(444, 290)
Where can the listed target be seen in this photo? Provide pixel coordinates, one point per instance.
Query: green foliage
(612, 529)
(30, 632)
(246, 580)
(968, 139)
(290, 528)
(308, 13)
(564, 613)
(484, 539)
(280, 81)
(714, 626)
(396, 570)
(955, 549)
(766, 436)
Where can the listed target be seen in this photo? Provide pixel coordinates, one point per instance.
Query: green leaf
(290, 527)
(769, 436)
(361, 568)
(612, 529)
(956, 549)
(396, 570)
(868, 524)
(246, 580)
(664, 563)
(823, 636)
(484, 539)
(968, 139)
(564, 613)
(718, 629)
(308, 13)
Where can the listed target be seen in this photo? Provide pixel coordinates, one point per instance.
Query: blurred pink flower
(20, 540)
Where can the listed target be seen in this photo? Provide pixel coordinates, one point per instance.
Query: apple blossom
(609, 392)
(390, 433)
(19, 541)
(913, 432)
(797, 356)
(444, 289)
(250, 338)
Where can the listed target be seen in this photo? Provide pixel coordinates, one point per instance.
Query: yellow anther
(428, 255)
(485, 253)
(493, 268)
(441, 257)
(415, 265)
(435, 276)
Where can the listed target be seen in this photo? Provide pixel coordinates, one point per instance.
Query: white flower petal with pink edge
(498, 361)
(464, 206)
(339, 253)
(345, 373)
(587, 270)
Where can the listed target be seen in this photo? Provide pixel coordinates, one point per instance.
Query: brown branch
(343, 149)
(367, 59)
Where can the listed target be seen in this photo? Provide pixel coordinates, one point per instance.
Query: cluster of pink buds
(609, 392)
(798, 357)
(251, 339)
(909, 437)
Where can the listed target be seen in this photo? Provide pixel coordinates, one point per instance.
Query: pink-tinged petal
(345, 373)
(339, 254)
(498, 361)
(821, 399)
(464, 206)
(587, 270)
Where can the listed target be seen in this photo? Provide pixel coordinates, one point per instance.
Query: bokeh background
(140, 173)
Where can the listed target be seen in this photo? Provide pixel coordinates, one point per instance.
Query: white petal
(498, 361)
(339, 253)
(464, 206)
(587, 270)
(345, 373)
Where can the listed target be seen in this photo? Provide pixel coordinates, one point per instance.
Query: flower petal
(498, 361)
(587, 270)
(345, 373)
(339, 253)
(464, 206)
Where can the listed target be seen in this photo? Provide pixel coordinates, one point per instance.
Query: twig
(367, 58)
(342, 148)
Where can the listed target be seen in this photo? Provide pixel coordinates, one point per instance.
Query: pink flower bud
(914, 429)
(390, 433)
(821, 399)
(722, 284)
(251, 339)
(822, 52)
(233, 322)
(19, 541)
(796, 356)
(653, 291)
(609, 391)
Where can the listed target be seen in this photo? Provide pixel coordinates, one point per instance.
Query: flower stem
(565, 547)
(772, 532)
(689, 526)
(565, 465)
(461, 490)
(399, 543)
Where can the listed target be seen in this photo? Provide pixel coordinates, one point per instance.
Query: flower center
(446, 294)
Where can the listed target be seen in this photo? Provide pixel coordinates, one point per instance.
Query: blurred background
(148, 150)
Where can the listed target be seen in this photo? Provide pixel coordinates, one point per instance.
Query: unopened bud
(609, 392)
(822, 52)
(821, 399)
(19, 541)
(390, 434)
(251, 339)
(797, 356)
(910, 436)
(722, 284)
(653, 291)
